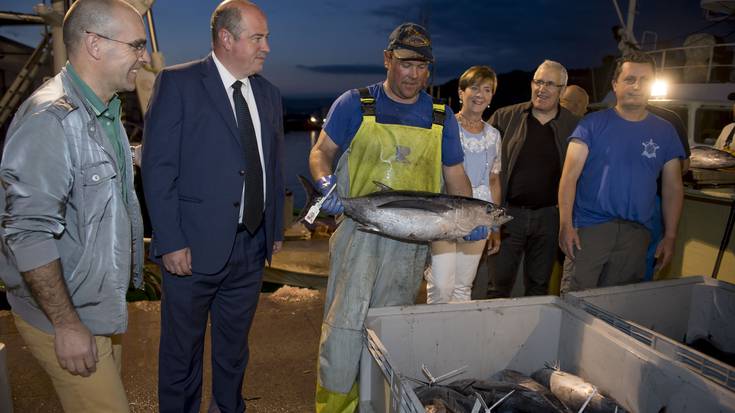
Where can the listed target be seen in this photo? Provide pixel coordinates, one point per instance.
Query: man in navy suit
(213, 182)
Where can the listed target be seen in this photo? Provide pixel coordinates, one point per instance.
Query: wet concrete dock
(280, 377)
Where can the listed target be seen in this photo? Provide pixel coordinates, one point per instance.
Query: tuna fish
(461, 396)
(442, 399)
(707, 157)
(415, 216)
(574, 392)
(516, 377)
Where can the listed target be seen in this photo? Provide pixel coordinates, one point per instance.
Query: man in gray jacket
(534, 143)
(72, 232)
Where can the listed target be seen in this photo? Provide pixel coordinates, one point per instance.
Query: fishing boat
(697, 81)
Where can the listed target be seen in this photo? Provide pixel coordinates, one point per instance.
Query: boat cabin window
(709, 122)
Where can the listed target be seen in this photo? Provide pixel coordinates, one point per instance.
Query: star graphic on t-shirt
(649, 149)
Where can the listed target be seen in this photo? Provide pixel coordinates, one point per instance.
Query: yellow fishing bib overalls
(368, 270)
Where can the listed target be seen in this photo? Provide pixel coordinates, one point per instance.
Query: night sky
(323, 47)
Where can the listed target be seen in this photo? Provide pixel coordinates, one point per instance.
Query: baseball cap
(410, 41)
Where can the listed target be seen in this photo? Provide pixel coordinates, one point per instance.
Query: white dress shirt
(227, 80)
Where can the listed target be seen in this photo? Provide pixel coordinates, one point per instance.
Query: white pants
(452, 271)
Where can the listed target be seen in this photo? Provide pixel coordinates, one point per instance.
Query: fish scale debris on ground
(289, 294)
(414, 215)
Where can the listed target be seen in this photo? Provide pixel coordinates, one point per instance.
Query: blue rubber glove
(479, 233)
(332, 205)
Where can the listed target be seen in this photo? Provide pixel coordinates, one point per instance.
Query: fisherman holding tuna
(392, 133)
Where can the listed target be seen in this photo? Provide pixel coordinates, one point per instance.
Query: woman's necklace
(472, 125)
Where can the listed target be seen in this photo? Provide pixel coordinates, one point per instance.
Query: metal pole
(620, 14)
(58, 37)
(725, 241)
(663, 61)
(631, 19)
(152, 30)
(709, 63)
(594, 85)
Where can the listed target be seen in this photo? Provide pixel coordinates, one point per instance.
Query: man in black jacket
(534, 143)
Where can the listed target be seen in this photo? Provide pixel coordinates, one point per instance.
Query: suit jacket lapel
(266, 129)
(217, 94)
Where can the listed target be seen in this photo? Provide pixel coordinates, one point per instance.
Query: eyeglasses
(138, 46)
(542, 83)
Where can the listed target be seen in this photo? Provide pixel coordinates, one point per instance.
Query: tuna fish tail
(312, 194)
(556, 365)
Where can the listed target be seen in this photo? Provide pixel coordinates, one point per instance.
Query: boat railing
(697, 64)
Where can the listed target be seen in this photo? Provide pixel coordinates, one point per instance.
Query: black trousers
(532, 235)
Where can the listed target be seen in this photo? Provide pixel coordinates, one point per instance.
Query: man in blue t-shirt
(392, 133)
(609, 177)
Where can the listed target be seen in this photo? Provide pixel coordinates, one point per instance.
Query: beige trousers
(101, 392)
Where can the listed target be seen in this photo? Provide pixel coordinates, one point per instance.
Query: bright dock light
(659, 89)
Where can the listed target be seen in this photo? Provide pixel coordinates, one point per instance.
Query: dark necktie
(253, 208)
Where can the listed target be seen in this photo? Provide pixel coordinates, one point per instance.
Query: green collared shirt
(108, 116)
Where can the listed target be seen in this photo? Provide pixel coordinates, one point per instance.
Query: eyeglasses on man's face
(138, 46)
(549, 84)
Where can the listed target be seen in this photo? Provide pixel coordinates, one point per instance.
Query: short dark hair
(476, 75)
(633, 57)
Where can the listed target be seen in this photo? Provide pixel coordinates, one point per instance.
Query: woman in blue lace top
(454, 263)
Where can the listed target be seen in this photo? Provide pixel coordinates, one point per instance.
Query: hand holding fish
(664, 252)
(568, 240)
(332, 205)
(479, 233)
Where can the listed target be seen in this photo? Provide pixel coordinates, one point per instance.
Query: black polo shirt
(534, 182)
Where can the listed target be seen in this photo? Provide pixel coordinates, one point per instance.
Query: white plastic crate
(667, 314)
(6, 402)
(522, 334)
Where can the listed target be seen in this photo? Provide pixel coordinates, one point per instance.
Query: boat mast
(631, 19)
(627, 26)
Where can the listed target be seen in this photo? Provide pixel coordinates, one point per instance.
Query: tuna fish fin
(417, 204)
(556, 365)
(382, 187)
(369, 228)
